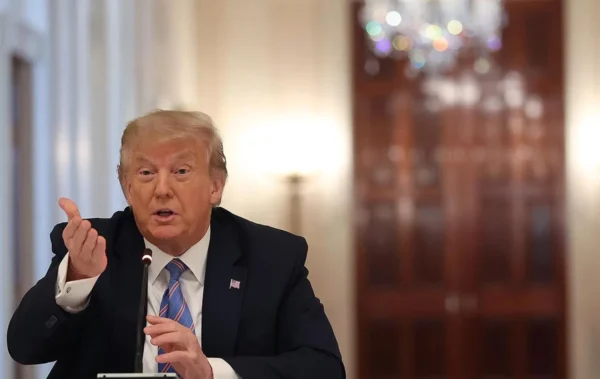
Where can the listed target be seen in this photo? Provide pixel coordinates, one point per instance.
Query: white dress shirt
(73, 296)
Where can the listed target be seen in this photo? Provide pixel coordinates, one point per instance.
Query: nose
(163, 185)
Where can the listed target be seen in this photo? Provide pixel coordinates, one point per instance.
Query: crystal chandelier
(508, 93)
(431, 33)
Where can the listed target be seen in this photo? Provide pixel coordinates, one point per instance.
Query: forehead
(169, 150)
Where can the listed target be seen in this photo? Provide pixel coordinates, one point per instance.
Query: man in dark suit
(227, 298)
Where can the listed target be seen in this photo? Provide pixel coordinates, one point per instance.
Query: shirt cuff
(72, 296)
(222, 369)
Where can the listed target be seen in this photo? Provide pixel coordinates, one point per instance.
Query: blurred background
(442, 158)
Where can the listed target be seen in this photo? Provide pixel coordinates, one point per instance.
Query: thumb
(69, 207)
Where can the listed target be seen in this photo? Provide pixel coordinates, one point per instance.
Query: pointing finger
(69, 207)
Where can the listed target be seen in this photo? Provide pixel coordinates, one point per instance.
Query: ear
(217, 186)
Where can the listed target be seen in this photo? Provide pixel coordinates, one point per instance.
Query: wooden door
(460, 256)
(408, 281)
(514, 284)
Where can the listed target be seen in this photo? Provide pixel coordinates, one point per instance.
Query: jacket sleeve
(40, 330)
(307, 345)
(73, 296)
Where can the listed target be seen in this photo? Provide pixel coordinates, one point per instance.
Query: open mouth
(164, 213)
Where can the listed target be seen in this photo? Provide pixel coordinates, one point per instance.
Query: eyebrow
(138, 158)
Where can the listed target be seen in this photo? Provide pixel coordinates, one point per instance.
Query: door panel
(381, 242)
(383, 344)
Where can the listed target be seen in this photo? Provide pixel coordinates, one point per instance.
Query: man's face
(171, 192)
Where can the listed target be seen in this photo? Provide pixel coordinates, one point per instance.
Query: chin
(165, 232)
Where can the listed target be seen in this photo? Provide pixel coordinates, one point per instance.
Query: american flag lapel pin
(234, 284)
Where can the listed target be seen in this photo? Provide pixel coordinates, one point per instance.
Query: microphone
(141, 337)
(141, 321)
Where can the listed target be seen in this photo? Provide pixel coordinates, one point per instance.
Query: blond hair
(170, 125)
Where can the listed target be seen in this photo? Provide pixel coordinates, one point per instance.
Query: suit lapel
(222, 301)
(125, 286)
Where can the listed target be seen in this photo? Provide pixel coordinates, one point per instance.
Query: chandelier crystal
(432, 33)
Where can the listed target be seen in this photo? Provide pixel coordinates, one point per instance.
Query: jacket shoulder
(264, 241)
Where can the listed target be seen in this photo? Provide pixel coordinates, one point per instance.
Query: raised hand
(87, 250)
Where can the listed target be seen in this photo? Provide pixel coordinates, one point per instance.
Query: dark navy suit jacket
(272, 327)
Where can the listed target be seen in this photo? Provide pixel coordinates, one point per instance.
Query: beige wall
(583, 187)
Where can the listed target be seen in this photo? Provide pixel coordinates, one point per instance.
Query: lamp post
(294, 183)
(289, 148)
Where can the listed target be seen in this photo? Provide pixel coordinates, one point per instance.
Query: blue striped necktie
(173, 305)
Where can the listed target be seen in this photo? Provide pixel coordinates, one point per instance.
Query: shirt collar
(194, 258)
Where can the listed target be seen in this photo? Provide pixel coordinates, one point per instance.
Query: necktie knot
(176, 267)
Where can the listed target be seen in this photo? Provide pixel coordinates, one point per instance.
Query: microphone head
(147, 257)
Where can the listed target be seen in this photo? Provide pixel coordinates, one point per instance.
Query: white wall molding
(3, 28)
(28, 43)
(7, 31)
(82, 119)
(145, 57)
(87, 78)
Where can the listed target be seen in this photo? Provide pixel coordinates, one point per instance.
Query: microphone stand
(141, 320)
(141, 337)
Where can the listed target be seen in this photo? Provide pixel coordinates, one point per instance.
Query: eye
(182, 171)
(145, 172)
